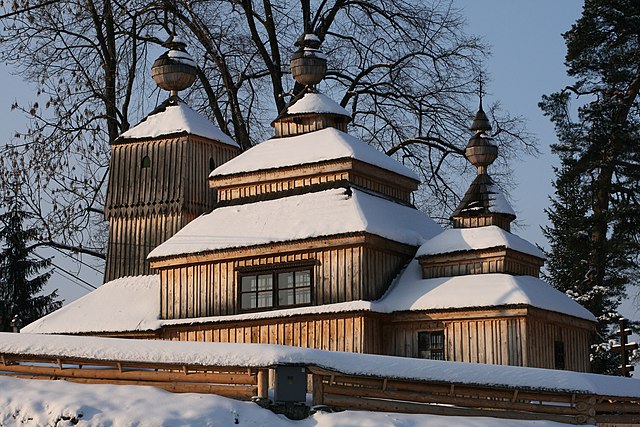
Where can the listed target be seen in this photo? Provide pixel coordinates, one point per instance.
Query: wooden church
(310, 239)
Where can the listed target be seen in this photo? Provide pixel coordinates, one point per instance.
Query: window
(276, 289)
(146, 162)
(431, 345)
(558, 354)
(212, 164)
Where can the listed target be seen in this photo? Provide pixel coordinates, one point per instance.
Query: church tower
(158, 170)
(483, 204)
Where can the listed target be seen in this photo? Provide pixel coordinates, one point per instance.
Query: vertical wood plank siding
(540, 346)
(340, 274)
(353, 332)
(147, 205)
(500, 340)
(492, 341)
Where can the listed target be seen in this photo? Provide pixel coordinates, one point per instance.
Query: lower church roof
(131, 304)
(466, 239)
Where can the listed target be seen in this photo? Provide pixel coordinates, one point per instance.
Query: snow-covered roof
(313, 103)
(177, 117)
(465, 239)
(483, 196)
(311, 215)
(127, 304)
(413, 293)
(264, 355)
(313, 147)
(498, 203)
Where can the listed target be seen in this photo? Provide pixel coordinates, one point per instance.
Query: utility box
(290, 384)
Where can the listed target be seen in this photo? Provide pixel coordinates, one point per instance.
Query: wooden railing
(235, 382)
(336, 389)
(390, 395)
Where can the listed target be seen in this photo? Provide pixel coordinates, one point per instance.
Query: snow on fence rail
(239, 383)
(345, 380)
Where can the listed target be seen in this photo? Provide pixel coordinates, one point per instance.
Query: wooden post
(624, 348)
(317, 389)
(263, 383)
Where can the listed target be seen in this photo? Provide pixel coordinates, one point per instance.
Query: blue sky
(527, 55)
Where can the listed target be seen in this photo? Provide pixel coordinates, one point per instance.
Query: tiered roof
(174, 117)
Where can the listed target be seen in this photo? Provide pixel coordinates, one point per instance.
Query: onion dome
(174, 70)
(309, 110)
(308, 63)
(483, 204)
(480, 151)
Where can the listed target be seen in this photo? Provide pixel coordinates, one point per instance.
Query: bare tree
(405, 69)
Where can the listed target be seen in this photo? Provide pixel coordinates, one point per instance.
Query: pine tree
(595, 214)
(21, 284)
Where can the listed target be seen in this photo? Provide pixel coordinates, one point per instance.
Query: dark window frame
(430, 344)
(274, 272)
(145, 163)
(559, 355)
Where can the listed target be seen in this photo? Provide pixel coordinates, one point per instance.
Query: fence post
(317, 389)
(263, 383)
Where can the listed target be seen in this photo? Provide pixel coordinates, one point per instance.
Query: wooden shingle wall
(344, 269)
(147, 205)
(266, 182)
(480, 261)
(509, 336)
(353, 332)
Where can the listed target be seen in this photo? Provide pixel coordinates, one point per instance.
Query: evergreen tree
(20, 282)
(595, 214)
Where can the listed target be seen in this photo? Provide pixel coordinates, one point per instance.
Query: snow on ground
(312, 147)
(311, 215)
(466, 239)
(176, 119)
(267, 355)
(60, 403)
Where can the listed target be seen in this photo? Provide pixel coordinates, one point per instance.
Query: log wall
(340, 273)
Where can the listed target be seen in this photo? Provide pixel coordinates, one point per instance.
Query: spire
(483, 203)
(480, 150)
(174, 70)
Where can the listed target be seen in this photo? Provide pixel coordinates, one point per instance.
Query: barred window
(431, 345)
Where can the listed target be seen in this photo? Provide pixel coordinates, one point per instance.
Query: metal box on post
(290, 384)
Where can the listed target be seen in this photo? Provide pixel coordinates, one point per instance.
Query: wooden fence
(336, 389)
(421, 397)
(229, 381)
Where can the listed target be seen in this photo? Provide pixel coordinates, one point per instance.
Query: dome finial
(174, 70)
(308, 63)
(480, 151)
(480, 121)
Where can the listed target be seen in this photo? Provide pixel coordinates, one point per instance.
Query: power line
(78, 260)
(71, 277)
(28, 9)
